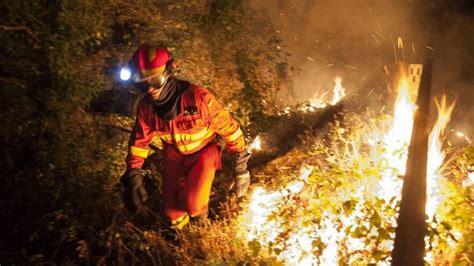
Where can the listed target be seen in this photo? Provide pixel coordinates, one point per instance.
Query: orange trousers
(187, 180)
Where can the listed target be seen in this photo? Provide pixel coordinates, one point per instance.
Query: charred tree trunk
(411, 229)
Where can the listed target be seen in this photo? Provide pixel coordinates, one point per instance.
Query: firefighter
(187, 118)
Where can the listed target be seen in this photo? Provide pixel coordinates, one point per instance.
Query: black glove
(134, 193)
(241, 180)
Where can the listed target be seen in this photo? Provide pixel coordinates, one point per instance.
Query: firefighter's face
(155, 86)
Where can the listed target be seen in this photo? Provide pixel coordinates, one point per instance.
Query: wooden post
(409, 248)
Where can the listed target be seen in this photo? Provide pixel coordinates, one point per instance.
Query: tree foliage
(61, 152)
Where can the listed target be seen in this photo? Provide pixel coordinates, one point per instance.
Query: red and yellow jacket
(200, 120)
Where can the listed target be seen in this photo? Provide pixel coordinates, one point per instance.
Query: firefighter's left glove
(134, 194)
(241, 183)
(241, 180)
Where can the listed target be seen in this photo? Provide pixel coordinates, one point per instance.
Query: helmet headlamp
(125, 73)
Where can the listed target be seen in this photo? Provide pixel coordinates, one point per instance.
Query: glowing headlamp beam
(125, 73)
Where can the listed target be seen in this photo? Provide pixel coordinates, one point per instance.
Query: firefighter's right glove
(241, 180)
(134, 194)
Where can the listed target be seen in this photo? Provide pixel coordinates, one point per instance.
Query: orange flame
(338, 92)
(318, 102)
(436, 155)
(258, 222)
(399, 136)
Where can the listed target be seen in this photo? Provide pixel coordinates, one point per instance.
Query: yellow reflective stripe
(151, 53)
(204, 133)
(194, 145)
(148, 73)
(190, 146)
(198, 139)
(167, 138)
(140, 152)
(234, 135)
(210, 103)
(179, 223)
(196, 136)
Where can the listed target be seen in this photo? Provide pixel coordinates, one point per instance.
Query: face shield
(158, 81)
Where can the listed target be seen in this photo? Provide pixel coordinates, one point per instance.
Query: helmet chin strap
(164, 79)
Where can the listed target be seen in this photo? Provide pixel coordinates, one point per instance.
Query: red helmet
(149, 61)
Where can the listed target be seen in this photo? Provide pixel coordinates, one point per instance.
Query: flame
(294, 238)
(469, 181)
(338, 92)
(399, 136)
(318, 102)
(315, 103)
(256, 144)
(259, 224)
(436, 156)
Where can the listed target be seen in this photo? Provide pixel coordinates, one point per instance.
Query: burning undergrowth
(341, 207)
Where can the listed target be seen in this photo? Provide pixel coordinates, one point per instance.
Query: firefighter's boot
(180, 223)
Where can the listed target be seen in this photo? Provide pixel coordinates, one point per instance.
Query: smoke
(453, 72)
(361, 41)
